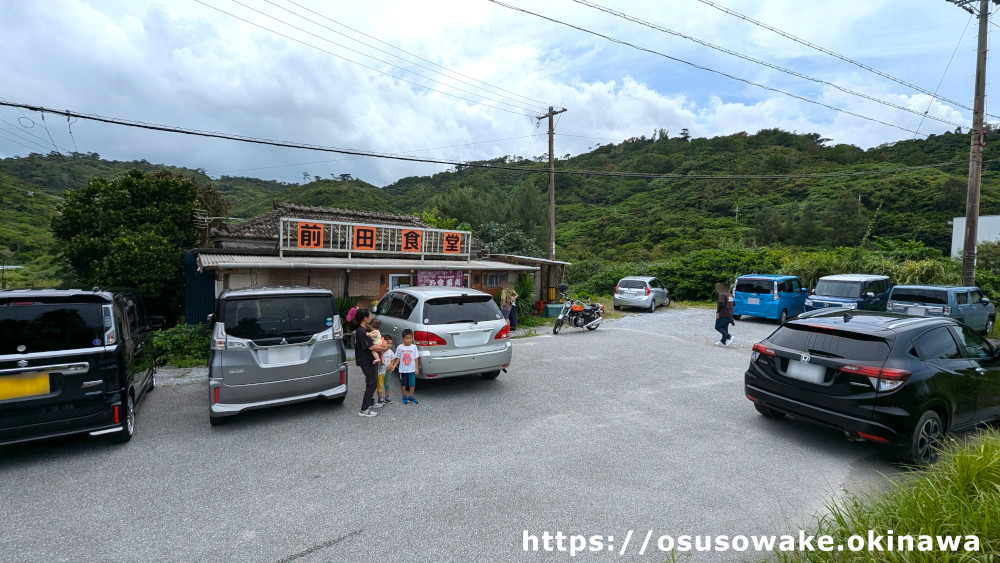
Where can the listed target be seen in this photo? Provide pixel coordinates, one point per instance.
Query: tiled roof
(265, 227)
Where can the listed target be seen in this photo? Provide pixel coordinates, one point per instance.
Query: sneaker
(405, 399)
(388, 400)
(729, 342)
(413, 399)
(368, 413)
(377, 405)
(718, 343)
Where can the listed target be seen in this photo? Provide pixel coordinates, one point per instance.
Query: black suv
(73, 361)
(878, 376)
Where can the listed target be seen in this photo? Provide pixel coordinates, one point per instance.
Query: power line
(773, 66)
(451, 71)
(945, 73)
(461, 164)
(705, 68)
(15, 132)
(833, 54)
(357, 157)
(265, 28)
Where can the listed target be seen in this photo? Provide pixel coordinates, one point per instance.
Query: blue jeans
(722, 325)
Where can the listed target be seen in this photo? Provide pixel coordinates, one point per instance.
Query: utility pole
(978, 136)
(552, 180)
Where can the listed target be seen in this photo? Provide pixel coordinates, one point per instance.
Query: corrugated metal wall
(199, 295)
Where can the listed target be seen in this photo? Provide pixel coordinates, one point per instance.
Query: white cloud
(191, 66)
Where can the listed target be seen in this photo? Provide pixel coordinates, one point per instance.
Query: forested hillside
(607, 217)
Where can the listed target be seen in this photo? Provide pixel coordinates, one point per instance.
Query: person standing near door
(364, 356)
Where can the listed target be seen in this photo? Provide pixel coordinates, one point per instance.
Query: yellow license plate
(24, 385)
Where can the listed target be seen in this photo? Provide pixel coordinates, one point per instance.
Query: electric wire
(755, 60)
(17, 133)
(704, 68)
(832, 53)
(498, 92)
(289, 37)
(945, 73)
(470, 164)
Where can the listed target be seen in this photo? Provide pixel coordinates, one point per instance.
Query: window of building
(493, 279)
(397, 281)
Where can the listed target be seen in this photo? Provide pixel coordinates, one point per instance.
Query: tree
(502, 238)
(132, 231)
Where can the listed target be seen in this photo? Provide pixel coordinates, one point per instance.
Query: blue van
(768, 296)
(851, 291)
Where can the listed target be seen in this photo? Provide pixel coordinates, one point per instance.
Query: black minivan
(878, 376)
(73, 362)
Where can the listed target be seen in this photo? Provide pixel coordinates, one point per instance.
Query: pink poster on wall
(441, 278)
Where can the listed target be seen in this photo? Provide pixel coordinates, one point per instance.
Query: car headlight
(809, 302)
(850, 305)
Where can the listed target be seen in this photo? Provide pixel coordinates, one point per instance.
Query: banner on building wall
(441, 278)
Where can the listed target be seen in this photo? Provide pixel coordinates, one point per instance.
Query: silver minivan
(459, 331)
(274, 346)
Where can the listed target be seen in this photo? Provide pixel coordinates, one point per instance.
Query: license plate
(805, 372)
(284, 355)
(24, 385)
(916, 311)
(753, 300)
(471, 338)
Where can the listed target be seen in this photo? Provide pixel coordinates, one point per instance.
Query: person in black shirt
(724, 314)
(364, 357)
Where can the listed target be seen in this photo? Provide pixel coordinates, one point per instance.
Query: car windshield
(918, 295)
(460, 309)
(831, 343)
(832, 288)
(632, 284)
(754, 286)
(283, 316)
(48, 327)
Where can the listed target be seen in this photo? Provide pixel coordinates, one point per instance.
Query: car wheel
(768, 411)
(217, 420)
(989, 327)
(925, 441)
(491, 375)
(618, 307)
(737, 317)
(666, 303)
(557, 327)
(336, 400)
(783, 318)
(652, 307)
(128, 424)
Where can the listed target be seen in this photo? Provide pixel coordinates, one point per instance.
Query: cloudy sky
(461, 79)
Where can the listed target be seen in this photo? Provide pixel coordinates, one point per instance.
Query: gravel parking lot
(639, 425)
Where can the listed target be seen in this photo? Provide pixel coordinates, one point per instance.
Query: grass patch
(182, 346)
(958, 496)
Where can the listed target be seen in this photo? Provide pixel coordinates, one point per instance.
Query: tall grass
(958, 496)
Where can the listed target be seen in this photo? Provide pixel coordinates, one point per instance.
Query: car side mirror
(985, 301)
(157, 322)
(210, 318)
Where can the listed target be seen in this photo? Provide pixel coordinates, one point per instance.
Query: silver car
(644, 292)
(459, 331)
(273, 346)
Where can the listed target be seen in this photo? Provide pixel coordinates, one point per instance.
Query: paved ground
(639, 425)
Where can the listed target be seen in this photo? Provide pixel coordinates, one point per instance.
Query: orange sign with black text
(364, 238)
(310, 235)
(412, 239)
(452, 243)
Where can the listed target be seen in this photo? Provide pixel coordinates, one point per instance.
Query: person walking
(508, 300)
(724, 314)
(365, 357)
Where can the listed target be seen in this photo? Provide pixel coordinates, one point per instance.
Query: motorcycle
(578, 314)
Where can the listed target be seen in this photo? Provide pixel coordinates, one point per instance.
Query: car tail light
(117, 414)
(761, 349)
(219, 337)
(946, 310)
(343, 376)
(433, 375)
(882, 379)
(616, 289)
(425, 338)
(216, 395)
(504, 333)
(647, 290)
